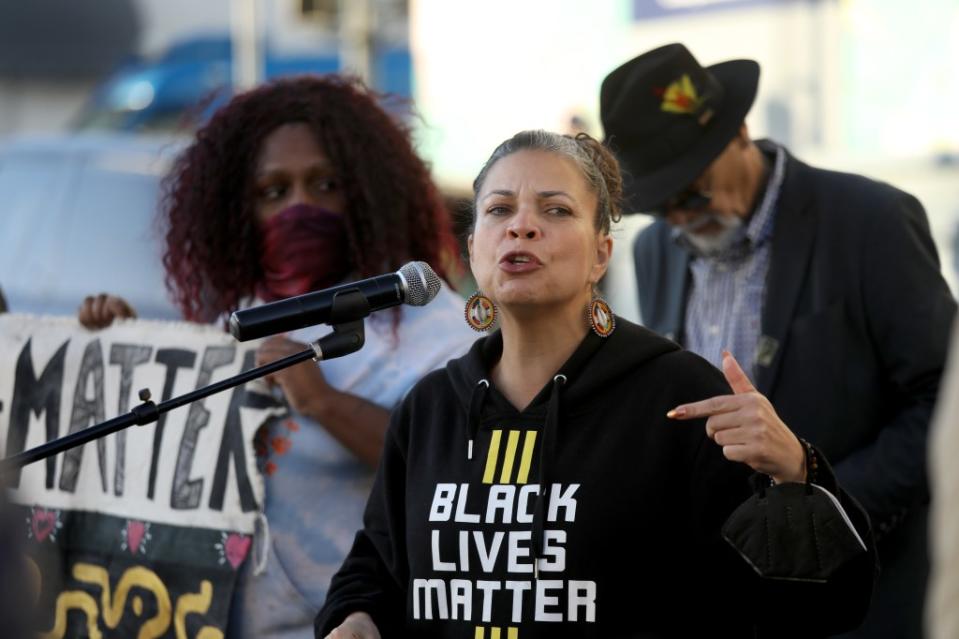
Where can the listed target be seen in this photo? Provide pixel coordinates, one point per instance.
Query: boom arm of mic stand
(347, 337)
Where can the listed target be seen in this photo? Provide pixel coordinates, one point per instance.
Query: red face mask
(305, 248)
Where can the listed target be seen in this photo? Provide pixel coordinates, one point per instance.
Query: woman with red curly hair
(294, 186)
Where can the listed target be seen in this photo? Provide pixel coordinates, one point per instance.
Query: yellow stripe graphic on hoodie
(509, 457)
(511, 633)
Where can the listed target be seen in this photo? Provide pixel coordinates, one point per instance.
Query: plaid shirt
(726, 295)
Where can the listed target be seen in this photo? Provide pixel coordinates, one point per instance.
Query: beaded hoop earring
(601, 318)
(480, 312)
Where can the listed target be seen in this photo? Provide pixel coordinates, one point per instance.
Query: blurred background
(98, 96)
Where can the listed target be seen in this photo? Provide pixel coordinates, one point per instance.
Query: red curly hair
(394, 211)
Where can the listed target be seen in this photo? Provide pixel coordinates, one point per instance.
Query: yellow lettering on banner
(112, 606)
(74, 600)
(509, 457)
(480, 633)
(529, 443)
(512, 633)
(195, 603)
(491, 457)
(494, 633)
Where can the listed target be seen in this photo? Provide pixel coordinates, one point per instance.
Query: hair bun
(608, 167)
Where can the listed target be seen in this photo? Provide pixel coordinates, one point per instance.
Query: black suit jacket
(855, 327)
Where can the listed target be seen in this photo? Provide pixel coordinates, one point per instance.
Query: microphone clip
(349, 308)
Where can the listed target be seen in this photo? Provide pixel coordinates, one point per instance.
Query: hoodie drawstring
(477, 400)
(550, 428)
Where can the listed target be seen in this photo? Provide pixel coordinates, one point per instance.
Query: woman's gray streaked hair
(596, 164)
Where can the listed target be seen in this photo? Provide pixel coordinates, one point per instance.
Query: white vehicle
(78, 217)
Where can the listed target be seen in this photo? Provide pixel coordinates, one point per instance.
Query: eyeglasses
(688, 199)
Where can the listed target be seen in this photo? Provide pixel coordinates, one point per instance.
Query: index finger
(735, 375)
(119, 308)
(705, 408)
(99, 302)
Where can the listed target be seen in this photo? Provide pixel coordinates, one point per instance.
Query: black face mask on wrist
(795, 532)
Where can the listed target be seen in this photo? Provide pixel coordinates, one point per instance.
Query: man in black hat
(826, 286)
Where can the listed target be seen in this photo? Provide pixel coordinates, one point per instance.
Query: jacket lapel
(662, 278)
(676, 290)
(793, 238)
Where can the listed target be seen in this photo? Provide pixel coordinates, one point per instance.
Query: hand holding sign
(304, 385)
(747, 427)
(99, 311)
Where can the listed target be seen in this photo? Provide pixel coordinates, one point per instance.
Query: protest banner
(140, 533)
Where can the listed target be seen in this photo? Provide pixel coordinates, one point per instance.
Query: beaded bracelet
(812, 461)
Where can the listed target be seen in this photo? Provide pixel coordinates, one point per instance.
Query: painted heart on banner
(43, 523)
(135, 532)
(236, 548)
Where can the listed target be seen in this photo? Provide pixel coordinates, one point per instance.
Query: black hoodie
(626, 532)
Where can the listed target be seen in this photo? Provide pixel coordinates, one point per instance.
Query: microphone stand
(348, 310)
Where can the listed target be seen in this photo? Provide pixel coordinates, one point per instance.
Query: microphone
(415, 284)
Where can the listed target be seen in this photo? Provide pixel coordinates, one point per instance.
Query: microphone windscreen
(422, 284)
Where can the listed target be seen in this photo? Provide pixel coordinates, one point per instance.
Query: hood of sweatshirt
(628, 347)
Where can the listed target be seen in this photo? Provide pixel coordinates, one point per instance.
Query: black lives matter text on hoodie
(587, 514)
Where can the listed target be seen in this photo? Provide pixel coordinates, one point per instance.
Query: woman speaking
(556, 481)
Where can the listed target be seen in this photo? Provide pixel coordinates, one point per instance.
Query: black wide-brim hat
(667, 118)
